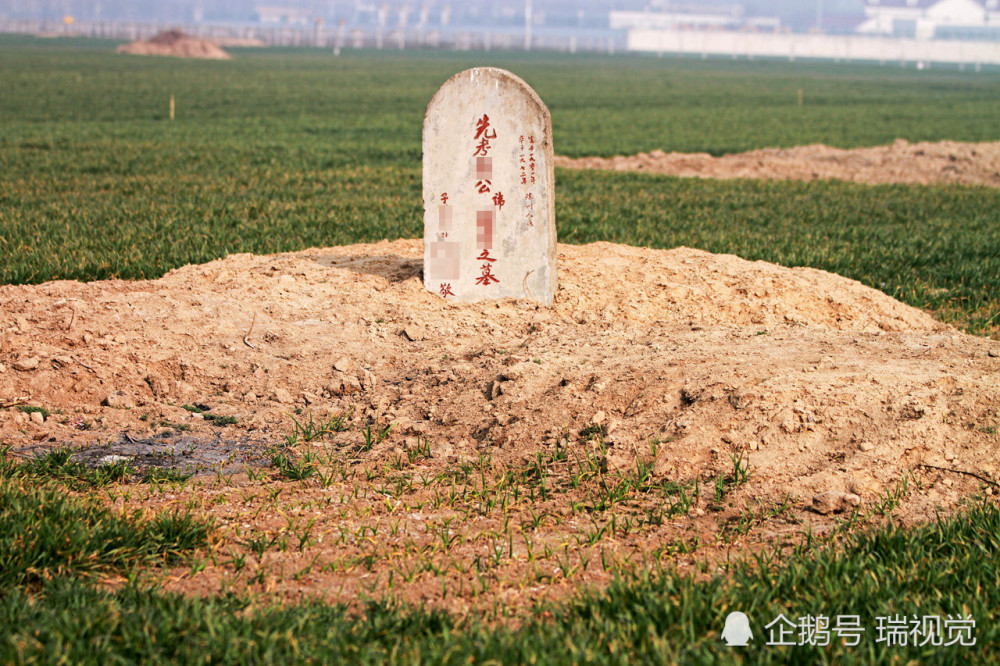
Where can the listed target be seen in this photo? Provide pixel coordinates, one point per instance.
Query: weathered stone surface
(834, 501)
(26, 364)
(118, 400)
(489, 201)
(283, 396)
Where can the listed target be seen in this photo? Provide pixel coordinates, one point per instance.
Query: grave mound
(652, 377)
(175, 43)
(828, 384)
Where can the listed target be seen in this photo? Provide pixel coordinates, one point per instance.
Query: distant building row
(932, 19)
(913, 19)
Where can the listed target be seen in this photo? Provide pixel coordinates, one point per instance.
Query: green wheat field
(280, 150)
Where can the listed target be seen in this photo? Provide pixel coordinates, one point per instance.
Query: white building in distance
(277, 15)
(932, 19)
(719, 17)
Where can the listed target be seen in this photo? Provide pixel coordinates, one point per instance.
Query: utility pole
(527, 25)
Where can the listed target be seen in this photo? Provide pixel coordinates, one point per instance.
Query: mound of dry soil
(835, 391)
(901, 162)
(175, 43)
(827, 383)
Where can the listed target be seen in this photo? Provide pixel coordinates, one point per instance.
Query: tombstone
(489, 200)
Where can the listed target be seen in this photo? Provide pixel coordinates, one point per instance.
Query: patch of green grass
(593, 430)
(170, 425)
(946, 568)
(305, 465)
(214, 419)
(375, 432)
(164, 475)
(312, 429)
(31, 409)
(44, 534)
(58, 465)
(220, 421)
(296, 468)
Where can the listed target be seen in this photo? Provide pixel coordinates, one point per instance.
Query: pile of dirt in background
(901, 162)
(175, 43)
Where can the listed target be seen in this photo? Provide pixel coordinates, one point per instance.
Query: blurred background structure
(957, 31)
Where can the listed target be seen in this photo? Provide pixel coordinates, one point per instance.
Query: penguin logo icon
(737, 631)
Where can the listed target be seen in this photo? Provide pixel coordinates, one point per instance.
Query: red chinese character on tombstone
(487, 277)
(483, 186)
(446, 290)
(483, 148)
(444, 198)
(483, 134)
(485, 256)
(483, 127)
(498, 200)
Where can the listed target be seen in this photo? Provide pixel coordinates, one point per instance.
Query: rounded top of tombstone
(486, 75)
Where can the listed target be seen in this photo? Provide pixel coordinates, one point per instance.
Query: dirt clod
(118, 400)
(26, 364)
(834, 501)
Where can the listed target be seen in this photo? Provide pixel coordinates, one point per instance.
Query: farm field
(281, 151)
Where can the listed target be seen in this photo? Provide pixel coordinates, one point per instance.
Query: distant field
(368, 106)
(281, 150)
